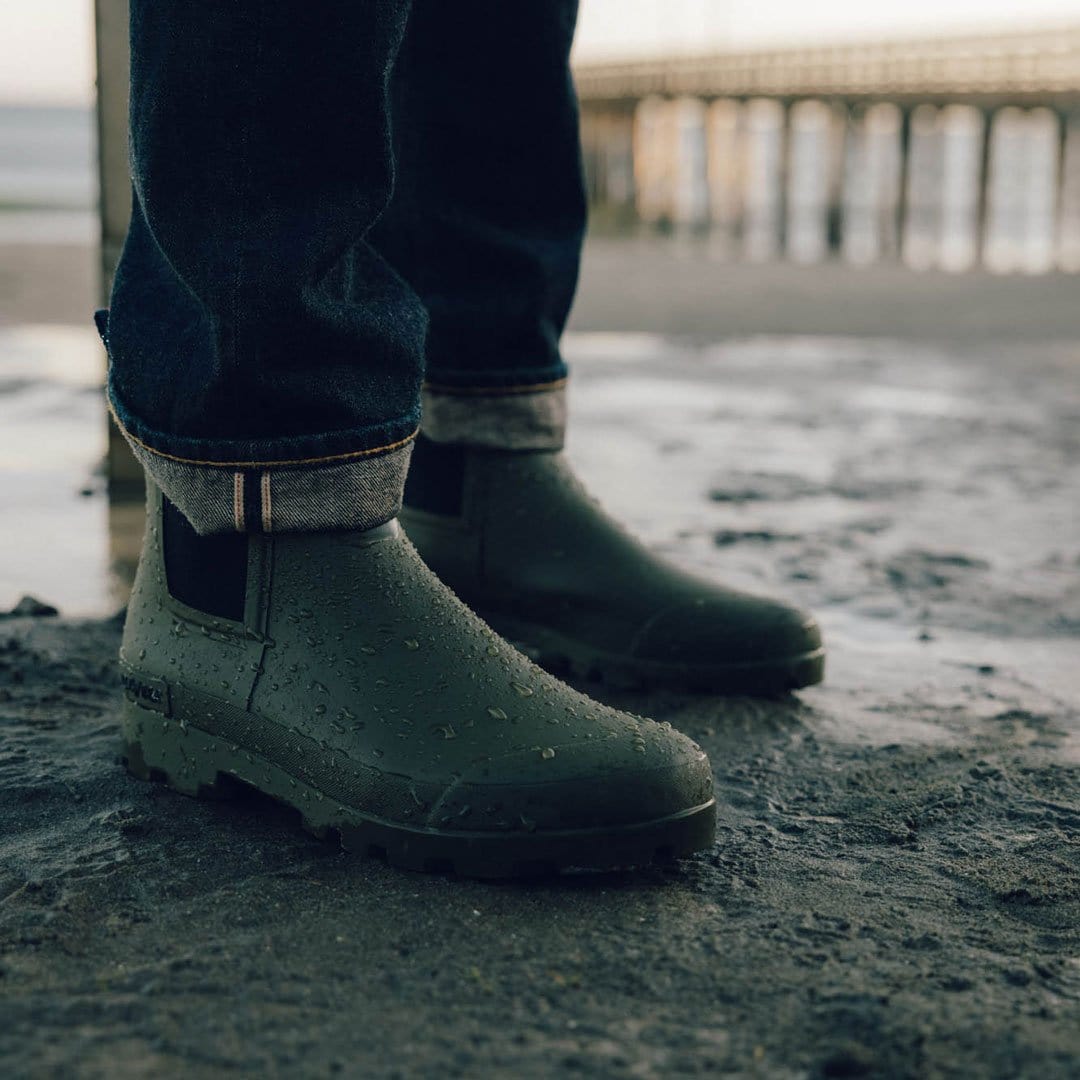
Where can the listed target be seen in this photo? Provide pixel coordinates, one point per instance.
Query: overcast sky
(46, 46)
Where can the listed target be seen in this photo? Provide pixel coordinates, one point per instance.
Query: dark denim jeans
(333, 202)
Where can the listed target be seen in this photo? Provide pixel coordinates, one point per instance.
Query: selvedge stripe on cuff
(267, 509)
(238, 501)
(357, 493)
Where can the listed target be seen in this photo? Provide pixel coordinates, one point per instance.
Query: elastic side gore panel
(208, 573)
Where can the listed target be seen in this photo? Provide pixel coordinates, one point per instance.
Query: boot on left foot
(514, 534)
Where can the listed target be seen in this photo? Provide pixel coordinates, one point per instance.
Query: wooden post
(1069, 225)
(1061, 116)
(903, 178)
(840, 122)
(725, 147)
(111, 31)
(784, 177)
(982, 211)
(111, 27)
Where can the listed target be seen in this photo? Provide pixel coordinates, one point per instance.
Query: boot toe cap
(615, 780)
(724, 632)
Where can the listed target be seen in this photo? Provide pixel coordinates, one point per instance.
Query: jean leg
(488, 216)
(265, 360)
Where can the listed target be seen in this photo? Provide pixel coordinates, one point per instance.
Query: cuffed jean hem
(357, 491)
(505, 418)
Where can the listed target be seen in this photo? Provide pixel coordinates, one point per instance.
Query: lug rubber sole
(198, 763)
(564, 656)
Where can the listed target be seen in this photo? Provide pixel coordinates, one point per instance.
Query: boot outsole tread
(498, 856)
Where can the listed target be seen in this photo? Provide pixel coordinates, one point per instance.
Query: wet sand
(48, 283)
(896, 887)
(677, 288)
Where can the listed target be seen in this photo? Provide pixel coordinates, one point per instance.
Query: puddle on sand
(656, 441)
(61, 541)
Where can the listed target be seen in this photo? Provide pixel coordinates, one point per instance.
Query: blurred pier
(944, 152)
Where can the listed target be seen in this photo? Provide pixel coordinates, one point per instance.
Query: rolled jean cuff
(505, 418)
(356, 490)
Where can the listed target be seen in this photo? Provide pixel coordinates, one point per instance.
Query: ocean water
(48, 175)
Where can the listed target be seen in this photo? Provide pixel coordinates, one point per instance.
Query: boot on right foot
(337, 674)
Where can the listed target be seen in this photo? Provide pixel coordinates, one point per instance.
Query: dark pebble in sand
(850, 1060)
(726, 537)
(1017, 976)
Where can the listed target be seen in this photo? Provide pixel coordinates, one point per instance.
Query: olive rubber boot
(514, 534)
(336, 673)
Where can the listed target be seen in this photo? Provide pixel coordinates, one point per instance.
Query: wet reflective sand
(63, 540)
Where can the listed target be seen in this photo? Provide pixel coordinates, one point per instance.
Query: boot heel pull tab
(101, 321)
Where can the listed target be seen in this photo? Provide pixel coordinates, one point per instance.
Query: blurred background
(904, 171)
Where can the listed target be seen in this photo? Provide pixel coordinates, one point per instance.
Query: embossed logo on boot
(149, 693)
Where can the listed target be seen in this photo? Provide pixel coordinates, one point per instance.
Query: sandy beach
(678, 288)
(895, 891)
